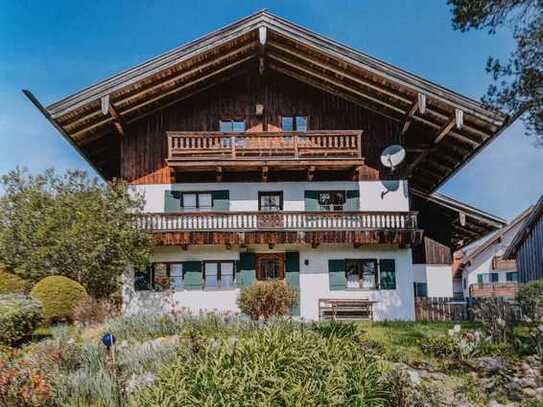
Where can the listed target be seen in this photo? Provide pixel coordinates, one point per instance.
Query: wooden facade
(527, 246)
(144, 153)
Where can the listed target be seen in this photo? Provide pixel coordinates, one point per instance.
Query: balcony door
(270, 266)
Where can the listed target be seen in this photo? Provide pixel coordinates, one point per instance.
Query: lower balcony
(314, 228)
(508, 289)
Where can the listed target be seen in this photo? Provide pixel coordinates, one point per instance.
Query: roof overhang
(455, 128)
(468, 224)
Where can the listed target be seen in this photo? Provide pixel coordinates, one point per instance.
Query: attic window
(229, 126)
(294, 123)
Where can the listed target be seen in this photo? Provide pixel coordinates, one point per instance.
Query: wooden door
(270, 266)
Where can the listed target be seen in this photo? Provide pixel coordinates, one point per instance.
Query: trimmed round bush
(266, 299)
(19, 316)
(12, 284)
(59, 296)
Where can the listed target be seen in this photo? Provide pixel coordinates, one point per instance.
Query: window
(176, 276)
(294, 123)
(218, 274)
(511, 276)
(160, 277)
(421, 289)
(229, 126)
(196, 201)
(487, 278)
(270, 201)
(361, 273)
(331, 200)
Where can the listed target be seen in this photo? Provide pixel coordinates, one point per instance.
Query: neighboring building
(527, 246)
(432, 263)
(258, 150)
(482, 270)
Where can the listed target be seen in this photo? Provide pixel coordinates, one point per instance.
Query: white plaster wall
(374, 195)
(314, 282)
(437, 276)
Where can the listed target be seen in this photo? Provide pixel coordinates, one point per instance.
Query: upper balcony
(184, 228)
(310, 150)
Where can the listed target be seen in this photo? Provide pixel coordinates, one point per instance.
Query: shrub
(58, 295)
(19, 316)
(455, 345)
(497, 317)
(21, 383)
(12, 284)
(530, 299)
(266, 299)
(91, 310)
(277, 365)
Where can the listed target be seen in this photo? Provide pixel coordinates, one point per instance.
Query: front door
(270, 266)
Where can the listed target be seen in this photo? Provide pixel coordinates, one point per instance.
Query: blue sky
(57, 47)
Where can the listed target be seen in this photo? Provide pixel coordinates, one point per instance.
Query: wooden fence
(451, 309)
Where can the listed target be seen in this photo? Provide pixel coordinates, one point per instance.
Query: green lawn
(400, 339)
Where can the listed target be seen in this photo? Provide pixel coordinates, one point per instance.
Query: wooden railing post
(233, 141)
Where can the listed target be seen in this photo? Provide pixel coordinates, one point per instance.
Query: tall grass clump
(278, 364)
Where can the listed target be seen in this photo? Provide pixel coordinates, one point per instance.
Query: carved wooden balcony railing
(276, 221)
(310, 145)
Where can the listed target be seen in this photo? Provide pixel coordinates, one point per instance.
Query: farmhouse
(258, 148)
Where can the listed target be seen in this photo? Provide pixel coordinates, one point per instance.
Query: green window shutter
(352, 200)
(494, 277)
(311, 200)
(479, 279)
(512, 276)
(336, 271)
(421, 289)
(245, 270)
(172, 201)
(221, 200)
(292, 262)
(193, 278)
(387, 274)
(292, 277)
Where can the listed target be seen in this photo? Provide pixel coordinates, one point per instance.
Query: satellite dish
(392, 156)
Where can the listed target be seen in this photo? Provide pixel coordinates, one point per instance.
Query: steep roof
(535, 213)
(495, 238)
(458, 127)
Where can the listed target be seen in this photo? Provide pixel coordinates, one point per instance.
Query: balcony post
(170, 145)
(359, 144)
(233, 141)
(295, 145)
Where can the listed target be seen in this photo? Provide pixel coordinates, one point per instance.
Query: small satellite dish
(392, 156)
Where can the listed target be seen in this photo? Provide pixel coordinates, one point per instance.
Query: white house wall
(438, 277)
(374, 195)
(314, 282)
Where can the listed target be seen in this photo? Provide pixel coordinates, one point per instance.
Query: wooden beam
(219, 174)
(162, 95)
(265, 173)
(329, 89)
(173, 81)
(337, 83)
(421, 97)
(408, 118)
(310, 173)
(118, 121)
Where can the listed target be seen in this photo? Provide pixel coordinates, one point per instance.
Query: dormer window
(229, 126)
(294, 123)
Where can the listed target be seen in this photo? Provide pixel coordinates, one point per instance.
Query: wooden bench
(345, 309)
